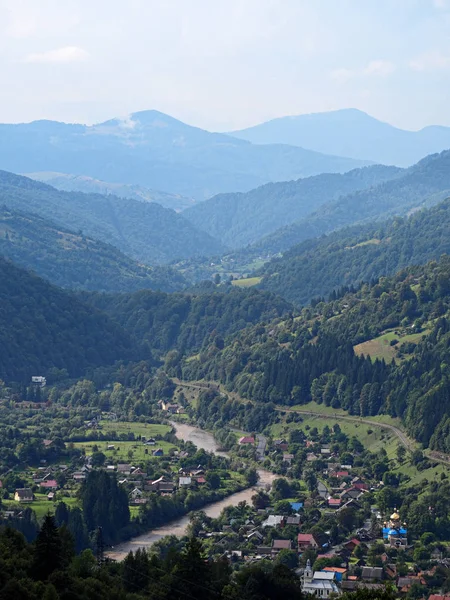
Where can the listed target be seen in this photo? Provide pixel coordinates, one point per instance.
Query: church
(319, 583)
(395, 533)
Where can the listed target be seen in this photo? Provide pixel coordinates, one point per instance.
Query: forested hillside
(424, 184)
(89, 185)
(154, 150)
(240, 219)
(383, 349)
(188, 321)
(143, 230)
(350, 256)
(73, 260)
(43, 328)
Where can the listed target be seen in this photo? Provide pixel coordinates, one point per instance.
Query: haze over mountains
(122, 240)
(154, 150)
(81, 183)
(243, 218)
(350, 132)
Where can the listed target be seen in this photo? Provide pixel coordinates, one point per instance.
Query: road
(402, 437)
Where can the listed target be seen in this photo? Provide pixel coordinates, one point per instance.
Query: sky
(224, 64)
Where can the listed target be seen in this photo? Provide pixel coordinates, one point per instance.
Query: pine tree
(48, 549)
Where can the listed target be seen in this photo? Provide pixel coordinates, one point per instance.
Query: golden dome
(395, 516)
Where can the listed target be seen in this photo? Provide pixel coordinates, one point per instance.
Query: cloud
(430, 61)
(126, 122)
(67, 54)
(379, 68)
(441, 3)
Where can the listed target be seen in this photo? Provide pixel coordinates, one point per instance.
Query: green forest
(144, 231)
(73, 260)
(320, 266)
(312, 357)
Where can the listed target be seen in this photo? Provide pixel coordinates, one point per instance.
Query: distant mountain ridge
(244, 218)
(144, 231)
(88, 185)
(73, 260)
(350, 132)
(424, 184)
(155, 150)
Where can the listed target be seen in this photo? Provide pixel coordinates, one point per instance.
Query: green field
(41, 505)
(245, 283)
(379, 438)
(380, 347)
(125, 452)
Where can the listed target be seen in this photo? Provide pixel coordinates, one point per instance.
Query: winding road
(402, 437)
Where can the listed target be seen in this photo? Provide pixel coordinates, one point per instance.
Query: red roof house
(50, 484)
(247, 440)
(306, 540)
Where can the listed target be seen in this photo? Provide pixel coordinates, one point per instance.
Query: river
(205, 440)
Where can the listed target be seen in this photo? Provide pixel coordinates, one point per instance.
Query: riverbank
(178, 527)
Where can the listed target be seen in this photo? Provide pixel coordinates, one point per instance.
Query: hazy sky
(224, 64)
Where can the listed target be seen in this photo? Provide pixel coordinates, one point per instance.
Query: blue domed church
(395, 533)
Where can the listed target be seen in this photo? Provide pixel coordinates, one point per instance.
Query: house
(341, 474)
(350, 504)
(319, 583)
(281, 445)
(138, 472)
(161, 485)
(273, 521)
(136, 493)
(247, 440)
(306, 540)
(288, 458)
(255, 535)
(369, 573)
(51, 496)
(200, 480)
(110, 447)
(124, 468)
(111, 468)
(438, 597)
(78, 476)
(310, 457)
(339, 572)
(184, 481)
(293, 521)
(264, 550)
(325, 451)
(158, 452)
(278, 545)
(168, 407)
(47, 443)
(351, 494)
(334, 502)
(39, 380)
(50, 484)
(350, 545)
(23, 495)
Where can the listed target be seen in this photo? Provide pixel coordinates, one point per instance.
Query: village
(326, 525)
